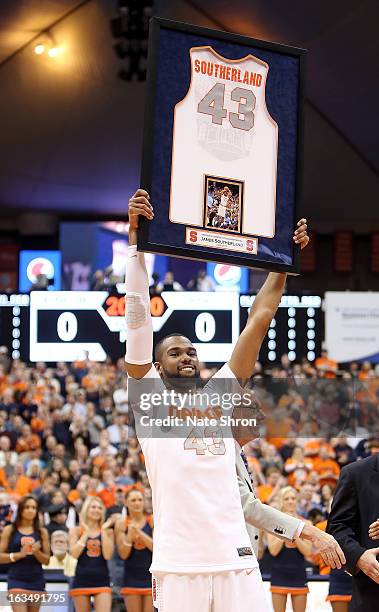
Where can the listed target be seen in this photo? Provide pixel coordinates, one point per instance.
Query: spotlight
(39, 49)
(47, 44)
(53, 52)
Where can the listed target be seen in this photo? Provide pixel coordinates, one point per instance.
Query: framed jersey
(222, 152)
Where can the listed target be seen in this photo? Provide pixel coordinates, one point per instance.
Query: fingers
(341, 555)
(141, 206)
(373, 532)
(335, 562)
(333, 556)
(141, 192)
(300, 235)
(374, 571)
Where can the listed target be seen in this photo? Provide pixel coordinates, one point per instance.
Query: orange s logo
(93, 548)
(193, 236)
(27, 543)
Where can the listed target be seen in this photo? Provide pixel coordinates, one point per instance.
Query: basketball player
(202, 556)
(223, 204)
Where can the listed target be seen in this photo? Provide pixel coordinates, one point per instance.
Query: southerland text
(228, 73)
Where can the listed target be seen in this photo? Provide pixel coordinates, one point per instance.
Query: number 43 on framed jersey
(222, 153)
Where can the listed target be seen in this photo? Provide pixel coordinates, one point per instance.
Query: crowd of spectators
(66, 433)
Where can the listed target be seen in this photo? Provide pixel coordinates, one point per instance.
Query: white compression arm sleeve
(139, 340)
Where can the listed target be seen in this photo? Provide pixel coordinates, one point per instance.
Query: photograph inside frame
(223, 204)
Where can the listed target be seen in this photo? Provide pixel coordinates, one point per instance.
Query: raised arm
(245, 353)
(139, 345)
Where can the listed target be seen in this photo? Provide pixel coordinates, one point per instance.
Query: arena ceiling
(71, 130)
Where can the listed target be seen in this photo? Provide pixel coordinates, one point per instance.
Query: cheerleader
(340, 583)
(92, 544)
(25, 546)
(135, 544)
(288, 576)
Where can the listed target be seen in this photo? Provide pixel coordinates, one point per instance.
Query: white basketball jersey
(222, 128)
(199, 526)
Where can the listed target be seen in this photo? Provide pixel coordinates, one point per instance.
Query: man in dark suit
(354, 509)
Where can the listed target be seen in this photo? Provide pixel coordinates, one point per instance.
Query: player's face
(179, 359)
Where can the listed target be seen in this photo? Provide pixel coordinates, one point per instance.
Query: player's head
(176, 357)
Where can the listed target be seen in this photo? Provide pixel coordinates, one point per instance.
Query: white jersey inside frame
(222, 128)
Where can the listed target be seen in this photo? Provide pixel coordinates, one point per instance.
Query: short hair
(59, 532)
(159, 346)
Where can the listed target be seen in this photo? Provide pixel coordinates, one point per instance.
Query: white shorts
(237, 591)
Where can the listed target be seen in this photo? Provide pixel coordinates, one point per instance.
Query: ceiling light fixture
(47, 45)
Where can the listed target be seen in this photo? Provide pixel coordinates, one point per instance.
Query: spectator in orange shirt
(326, 368)
(297, 467)
(269, 491)
(278, 426)
(366, 371)
(3, 478)
(19, 485)
(327, 469)
(27, 441)
(312, 448)
(108, 493)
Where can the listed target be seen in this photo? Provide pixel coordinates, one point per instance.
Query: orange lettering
(222, 72)
(156, 306)
(197, 65)
(203, 67)
(228, 73)
(193, 236)
(93, 548)
(246, 77)
(121, 306)
(112, 302)
(234, 74)
(253, 78)
(27, 543)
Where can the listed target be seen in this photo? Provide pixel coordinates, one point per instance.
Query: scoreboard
(296, 330)
(63, 325)
(14, 324)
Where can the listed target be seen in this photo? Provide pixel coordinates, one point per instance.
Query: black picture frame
(148, 170)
